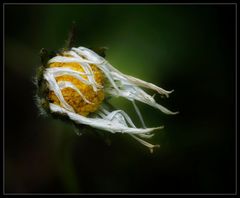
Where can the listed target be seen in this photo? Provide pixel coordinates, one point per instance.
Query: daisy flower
(74, 83)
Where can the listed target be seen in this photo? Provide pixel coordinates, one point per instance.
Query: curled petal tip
(160, 127)
(168, 92)
(172, 113)
(164, 110)
(147, 144)
(154, 146)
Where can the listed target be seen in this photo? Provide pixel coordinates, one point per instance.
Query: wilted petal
(64, 59)
(61, 71)
(138, 82)
(148, 85)
(135, 93)
(54, 86)
(89, 55)
(147, 144)
(113, 126)
(94, 57)
(67, 84)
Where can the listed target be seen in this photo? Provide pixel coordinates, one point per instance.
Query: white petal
(139, 82)
(119, 114)
(58, 70)
(91, 78)
(84, 64)
(67, 84)
(148, 85)
(94, 57)
(72, 53)
(86, 67)
(54, 86)
(65, 59)
(148, 136)
(61, 71)
(147, 144)
(103, 124)
(99, 61)
(135, 93)
(109, 76)
(139, 114)
(90, 55)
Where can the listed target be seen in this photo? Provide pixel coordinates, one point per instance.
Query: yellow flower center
(72, 97)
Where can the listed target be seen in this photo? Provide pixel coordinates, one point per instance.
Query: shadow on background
(188, 48)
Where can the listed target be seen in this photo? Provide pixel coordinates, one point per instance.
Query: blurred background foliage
(188, 48)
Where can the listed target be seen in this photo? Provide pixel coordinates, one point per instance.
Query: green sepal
(45, 55)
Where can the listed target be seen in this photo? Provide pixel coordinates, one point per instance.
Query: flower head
(77, 81)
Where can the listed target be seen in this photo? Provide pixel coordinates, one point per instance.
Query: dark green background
(188, 48)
